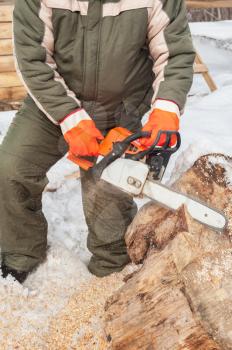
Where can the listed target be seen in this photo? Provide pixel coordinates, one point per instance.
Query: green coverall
(114, 59)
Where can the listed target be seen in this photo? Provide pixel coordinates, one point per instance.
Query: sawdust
(77, 325)
(215, 268)
(80, 324)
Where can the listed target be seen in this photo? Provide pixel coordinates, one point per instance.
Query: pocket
(71, 5)
(114, 9)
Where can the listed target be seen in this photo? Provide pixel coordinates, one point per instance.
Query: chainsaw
(138, 170)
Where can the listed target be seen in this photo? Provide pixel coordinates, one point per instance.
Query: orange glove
(81, 134)
(165, 116)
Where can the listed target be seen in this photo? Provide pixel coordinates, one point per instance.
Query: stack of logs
(11, 88)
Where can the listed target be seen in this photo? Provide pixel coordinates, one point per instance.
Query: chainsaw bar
(172, 199)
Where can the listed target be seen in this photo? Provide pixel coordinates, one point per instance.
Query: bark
(181, 297)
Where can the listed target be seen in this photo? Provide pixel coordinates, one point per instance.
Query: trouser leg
(32, 145)
(108, 212)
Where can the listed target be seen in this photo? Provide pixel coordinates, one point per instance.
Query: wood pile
(11, 88)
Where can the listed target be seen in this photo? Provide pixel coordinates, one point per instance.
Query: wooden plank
(6, 12)
(209, 4)
(9, 79)
(200, 68)
(12, 93)
(206, 75)
(6, 47)
(7, 64)
(5, 30)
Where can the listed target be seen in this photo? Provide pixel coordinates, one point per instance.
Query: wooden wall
(209, 10)
(11, 88)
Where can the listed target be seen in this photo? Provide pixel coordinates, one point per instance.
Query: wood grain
(181, 297)
(6, 12)
(16, 93)
(209, 4)
(7, 64)
(5, 30)
(6, 47)
(9, 79)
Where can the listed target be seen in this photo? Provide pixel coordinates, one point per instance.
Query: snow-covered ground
(219, 31)
(27, 312)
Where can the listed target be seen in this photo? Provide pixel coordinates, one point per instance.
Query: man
(88, 66)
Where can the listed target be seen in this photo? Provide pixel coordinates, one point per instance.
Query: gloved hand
(165, 116)
(81, 134)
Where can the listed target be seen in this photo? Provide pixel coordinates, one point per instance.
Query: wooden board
(7, 64)
(5, 30)
(200, 68)
(209, 4)
(6, 13)
(12, 93)
(9, 79)
(6, 47)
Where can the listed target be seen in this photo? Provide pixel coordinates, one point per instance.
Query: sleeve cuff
(167, 105)
(71, 120)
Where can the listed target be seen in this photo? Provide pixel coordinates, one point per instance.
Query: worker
(88, 66)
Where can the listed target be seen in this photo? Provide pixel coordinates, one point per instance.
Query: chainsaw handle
(136, 136)
(119, 148)
(165, 148)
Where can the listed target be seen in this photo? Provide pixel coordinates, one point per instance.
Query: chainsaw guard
(127, 175)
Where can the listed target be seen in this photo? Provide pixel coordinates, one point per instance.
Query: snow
(207, 121)
(206, 126)
(220, 30)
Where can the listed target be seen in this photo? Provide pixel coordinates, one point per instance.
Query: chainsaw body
(134, 162)
(127, 175)
(136, 170)
(123, 146)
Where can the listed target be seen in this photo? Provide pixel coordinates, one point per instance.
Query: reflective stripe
(168, 106)
(158, 21)
(45, 14)
(48, 43)
(114, 9)
(71, 5)
(73, 120)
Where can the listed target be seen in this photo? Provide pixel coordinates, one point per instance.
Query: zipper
(97, 62)
(85, 46)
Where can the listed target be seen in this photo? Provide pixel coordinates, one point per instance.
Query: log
(181, 298)
(6, 12)
(7, 64)
(6, 47)
(9, 79)
(16, 93)
(5, 30)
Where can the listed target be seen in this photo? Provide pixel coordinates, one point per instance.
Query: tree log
(181, 298)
